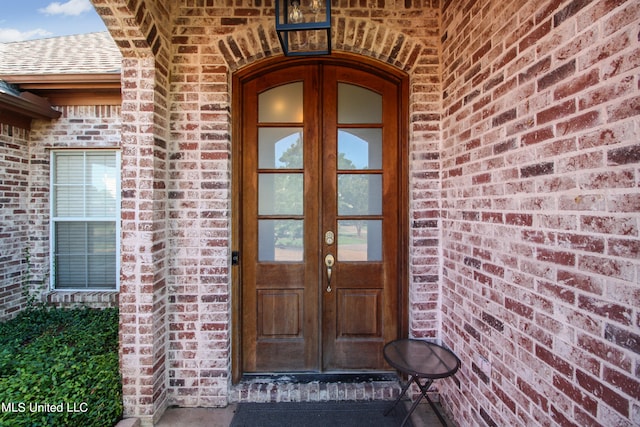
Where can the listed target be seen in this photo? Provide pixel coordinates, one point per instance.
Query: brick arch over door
(365, 37)
(419, 58)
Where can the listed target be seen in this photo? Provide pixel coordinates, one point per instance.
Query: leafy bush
(60, 368)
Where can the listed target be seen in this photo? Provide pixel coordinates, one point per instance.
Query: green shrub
(60, 368)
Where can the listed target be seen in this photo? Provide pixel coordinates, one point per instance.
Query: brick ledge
(91, 299)
(313, 392)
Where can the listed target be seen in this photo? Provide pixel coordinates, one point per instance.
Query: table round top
(421, 358)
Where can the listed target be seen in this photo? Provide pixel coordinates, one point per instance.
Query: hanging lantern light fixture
(304, 27)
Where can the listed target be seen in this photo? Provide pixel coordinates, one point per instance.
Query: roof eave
(28, 105)
(64, 81)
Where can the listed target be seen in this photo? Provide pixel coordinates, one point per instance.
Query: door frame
(266, 66)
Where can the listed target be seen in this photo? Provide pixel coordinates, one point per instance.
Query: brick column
(140, 29)
(14, 220)
(143, 264)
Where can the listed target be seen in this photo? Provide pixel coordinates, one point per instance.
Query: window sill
(90, 299)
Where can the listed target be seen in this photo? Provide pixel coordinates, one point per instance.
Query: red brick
(575, 171)
(535, 70)
(560, 365)
(622, 382)
(537, 169)
(608, 179)
(624, 226)
(578, 123)
(627, 248)
(576, 394)
(536, 236)
(518, 308)
(604, 93)
(586, 202)
(504, 117)
(568, 11)
(623, 337)
(577, 45)
(535, 35)
(561, 293)
(625, 109)
(538, 136)
(624, 203)
(581, 242)
(606, 266)
(488, 65)
(557, 257)
(519, 219)
(537, 398)
(599, 390)
(557, 75)
(624, 155)
(607, 135)
(504, 397)
(556, 112)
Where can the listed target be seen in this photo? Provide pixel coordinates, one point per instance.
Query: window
(85, 189)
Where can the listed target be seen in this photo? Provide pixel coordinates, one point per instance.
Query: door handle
(329, 261)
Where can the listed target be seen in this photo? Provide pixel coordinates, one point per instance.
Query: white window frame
(56, 219)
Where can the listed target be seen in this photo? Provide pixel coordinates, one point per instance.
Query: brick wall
(541, 202)
(14, 220)
(523, 204)
(198, 197)
(203, 60)
(249, 39)
(78, 127)
(24, 196)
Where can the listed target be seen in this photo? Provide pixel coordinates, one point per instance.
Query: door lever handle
(329, 261)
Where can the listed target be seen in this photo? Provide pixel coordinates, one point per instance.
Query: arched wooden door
(320, 224)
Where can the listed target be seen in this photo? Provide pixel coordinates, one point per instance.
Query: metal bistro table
(421, 360)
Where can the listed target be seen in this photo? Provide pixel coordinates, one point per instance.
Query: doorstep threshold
(324, 377)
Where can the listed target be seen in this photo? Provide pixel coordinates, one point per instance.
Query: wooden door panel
(282, 358)
(278, 276)
(359, 313)
(280, 313)
(360, 275)
(365, 357)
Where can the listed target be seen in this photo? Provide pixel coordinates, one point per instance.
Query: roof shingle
(76, 54)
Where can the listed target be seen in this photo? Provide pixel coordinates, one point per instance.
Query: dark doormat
(320, 414)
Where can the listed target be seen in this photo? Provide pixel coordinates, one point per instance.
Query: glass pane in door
(280, 148)
(281, 104)
(359, 194)
(280, 240)
(360, 148)
(359, 240)
(358, 105)
(280, 194)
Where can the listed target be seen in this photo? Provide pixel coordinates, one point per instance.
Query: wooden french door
(321, 219)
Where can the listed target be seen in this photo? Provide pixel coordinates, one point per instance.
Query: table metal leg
(423, 389)
(415, 404)
(402, 393)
